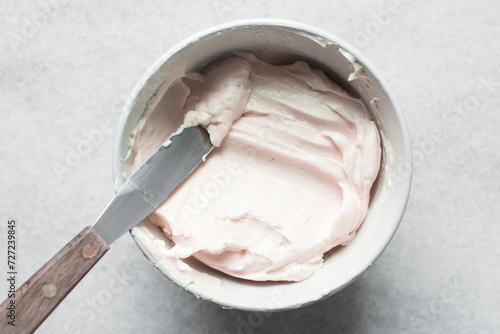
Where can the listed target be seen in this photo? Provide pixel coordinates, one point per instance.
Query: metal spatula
(143, 192)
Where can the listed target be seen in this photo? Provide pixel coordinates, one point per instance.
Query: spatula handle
(36, 299)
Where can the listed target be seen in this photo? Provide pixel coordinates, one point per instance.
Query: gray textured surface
(65, 75)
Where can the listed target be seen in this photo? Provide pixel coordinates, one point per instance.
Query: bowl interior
(281, 41)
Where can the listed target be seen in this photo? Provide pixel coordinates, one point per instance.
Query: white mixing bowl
(348, 68)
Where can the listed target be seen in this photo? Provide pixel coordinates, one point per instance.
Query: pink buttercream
(290, 177)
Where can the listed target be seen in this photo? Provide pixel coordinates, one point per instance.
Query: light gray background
(67, 68)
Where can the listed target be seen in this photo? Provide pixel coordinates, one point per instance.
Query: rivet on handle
(49, 290)
(88, 251)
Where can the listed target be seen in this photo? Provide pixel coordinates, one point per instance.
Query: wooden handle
(36, 299)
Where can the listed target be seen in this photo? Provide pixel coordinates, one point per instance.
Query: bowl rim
(406, 179)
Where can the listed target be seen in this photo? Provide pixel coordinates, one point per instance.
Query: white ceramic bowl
(339, 60)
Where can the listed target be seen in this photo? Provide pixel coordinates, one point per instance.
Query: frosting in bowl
(290, 176)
